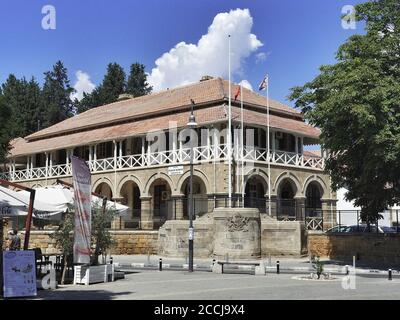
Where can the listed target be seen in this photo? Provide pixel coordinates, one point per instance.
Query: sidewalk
(301, 264)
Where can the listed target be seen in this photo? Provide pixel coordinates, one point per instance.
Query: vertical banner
(82, 194)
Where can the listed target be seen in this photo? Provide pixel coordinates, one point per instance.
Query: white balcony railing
(173, 157)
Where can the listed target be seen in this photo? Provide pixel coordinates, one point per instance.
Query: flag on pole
(237, 93)
(264, 83)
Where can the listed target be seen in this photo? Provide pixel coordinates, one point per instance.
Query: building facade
(138, 152)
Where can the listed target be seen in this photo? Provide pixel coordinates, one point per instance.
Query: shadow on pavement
(78, 294)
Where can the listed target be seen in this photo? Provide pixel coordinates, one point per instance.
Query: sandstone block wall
(126, 242)
(371, 248)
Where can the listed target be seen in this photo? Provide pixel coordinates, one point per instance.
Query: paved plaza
(144, 284)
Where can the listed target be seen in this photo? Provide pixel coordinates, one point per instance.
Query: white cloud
(82, 84)
(246, 84)
(261, 57)
(187, 63)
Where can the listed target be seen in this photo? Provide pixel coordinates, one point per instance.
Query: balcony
(202, 154)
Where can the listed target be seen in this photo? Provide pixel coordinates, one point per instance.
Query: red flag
(237, 93)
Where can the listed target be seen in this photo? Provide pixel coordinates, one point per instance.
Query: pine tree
(108, 92)
(56, 95)
(137, 84)
(5, 115)
(13, 96)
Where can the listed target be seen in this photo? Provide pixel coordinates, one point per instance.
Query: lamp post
(191, 125)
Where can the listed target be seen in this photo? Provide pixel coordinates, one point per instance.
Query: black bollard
(390, 274)
(160, 265)
(111, 260)
(277, 267)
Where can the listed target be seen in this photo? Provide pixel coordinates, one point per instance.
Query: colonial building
(130, 164)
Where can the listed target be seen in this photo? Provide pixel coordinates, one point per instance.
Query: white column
(115, 153)
(47, 164)
(50, 163)
(174, 138)
(143, 151)
(208, 144)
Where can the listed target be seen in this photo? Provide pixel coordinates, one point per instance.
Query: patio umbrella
(60, 197)
(13, 203)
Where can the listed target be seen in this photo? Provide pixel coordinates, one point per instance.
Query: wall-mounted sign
(175, 170)
(19, 274)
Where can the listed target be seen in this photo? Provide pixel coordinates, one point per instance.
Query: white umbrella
(13, 203)
(61, 197)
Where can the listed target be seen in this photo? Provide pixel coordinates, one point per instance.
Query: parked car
(341, 228)
(361, 228)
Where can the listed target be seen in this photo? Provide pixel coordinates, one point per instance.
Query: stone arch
(104, 187)
(153, 178)
(254, 173)
(196, 173)
(319, 182)
(290, 177)
(128, 178)
(129, 191)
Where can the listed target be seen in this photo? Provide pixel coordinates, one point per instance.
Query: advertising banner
(82, 194)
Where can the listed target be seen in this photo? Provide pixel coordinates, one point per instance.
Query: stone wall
(126, 242)
(282, 237)
(374, 248)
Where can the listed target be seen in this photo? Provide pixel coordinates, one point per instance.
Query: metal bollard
(390, 274)
(346, 269)
(160, 265)
(277, 267)
(111, 260)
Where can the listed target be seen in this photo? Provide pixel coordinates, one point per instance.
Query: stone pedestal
(237, 233)
(329, 213)
(146, 219)
(272, 204)
(300, 208)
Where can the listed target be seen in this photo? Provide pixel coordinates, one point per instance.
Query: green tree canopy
(56, 95)
(112, 86)
(356, 104)
(137, 81)
(5, 114)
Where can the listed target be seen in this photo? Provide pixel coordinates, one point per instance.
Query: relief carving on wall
(238, 223)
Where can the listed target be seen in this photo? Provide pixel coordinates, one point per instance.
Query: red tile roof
(214, 90)
(140, 115)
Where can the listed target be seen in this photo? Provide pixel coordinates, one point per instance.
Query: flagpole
(229, 127)
(242, 140)
(268, 152)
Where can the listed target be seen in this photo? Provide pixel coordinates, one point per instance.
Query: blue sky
(297, 36)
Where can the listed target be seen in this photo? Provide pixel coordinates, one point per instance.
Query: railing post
(397, 221)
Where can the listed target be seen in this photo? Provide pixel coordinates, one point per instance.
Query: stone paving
(181, 285)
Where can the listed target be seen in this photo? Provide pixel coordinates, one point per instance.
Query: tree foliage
(356, 104)
(56, 95)
(137, 81)
(5, 115)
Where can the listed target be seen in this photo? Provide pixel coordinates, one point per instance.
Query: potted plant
(318, 266)
(101, 241)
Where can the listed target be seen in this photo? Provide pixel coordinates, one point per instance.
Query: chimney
(125, 96)
(205, 78)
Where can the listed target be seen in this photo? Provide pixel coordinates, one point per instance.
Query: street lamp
(191, 125)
